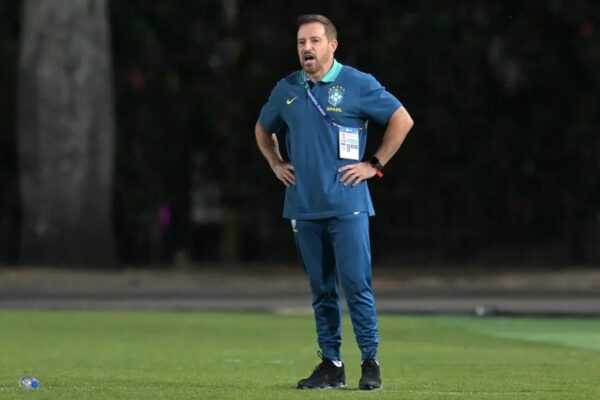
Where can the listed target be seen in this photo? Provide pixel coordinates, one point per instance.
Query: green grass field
(156, 355)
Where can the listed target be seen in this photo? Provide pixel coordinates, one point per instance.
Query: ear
(334, 44)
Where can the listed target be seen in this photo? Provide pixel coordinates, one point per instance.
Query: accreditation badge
(349, 143)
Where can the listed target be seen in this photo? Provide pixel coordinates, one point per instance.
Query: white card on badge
(349, 143)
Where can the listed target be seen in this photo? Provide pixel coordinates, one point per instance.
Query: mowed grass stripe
(563, 331)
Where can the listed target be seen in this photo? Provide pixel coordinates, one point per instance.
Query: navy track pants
(333, 251)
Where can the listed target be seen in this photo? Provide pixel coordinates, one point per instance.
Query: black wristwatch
(376, 164)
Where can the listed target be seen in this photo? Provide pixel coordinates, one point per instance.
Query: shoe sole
(321, 387)
(371, 388)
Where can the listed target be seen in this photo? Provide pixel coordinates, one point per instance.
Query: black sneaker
(325, 376)
(371, 376)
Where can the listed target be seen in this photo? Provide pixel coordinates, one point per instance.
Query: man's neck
(316, 77)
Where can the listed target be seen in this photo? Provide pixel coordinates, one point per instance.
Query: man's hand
(284, 172)
(356, 173)
(269, 147)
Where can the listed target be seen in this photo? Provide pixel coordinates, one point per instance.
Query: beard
(310, 66)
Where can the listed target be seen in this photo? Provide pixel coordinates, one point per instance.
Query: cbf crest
(336, 95)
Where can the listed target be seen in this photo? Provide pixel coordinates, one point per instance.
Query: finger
(354, 178)
(348, 177)
(285, 175)
(346, 167)
(288, 172)
(288, 178)
(357, 181)
(285, 181)
(345, 177)
(289, 175)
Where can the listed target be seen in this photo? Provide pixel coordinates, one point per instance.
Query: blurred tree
(9, 222)
(65, 133)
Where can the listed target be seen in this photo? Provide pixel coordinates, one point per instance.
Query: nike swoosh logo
(290, 101)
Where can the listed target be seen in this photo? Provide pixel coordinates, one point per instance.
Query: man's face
(315, 50)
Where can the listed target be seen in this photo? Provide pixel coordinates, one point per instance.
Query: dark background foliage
(502, 165)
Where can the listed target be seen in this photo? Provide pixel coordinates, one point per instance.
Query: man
(324, 109)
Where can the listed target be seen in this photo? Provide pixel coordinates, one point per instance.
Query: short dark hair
(330, 30)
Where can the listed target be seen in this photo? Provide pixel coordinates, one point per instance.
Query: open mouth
(309, 57)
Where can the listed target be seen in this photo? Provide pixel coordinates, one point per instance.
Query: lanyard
(319, 107)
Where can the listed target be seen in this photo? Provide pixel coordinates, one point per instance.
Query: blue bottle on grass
(29, 382)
